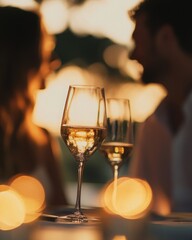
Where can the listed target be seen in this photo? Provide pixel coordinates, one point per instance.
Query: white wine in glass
(83, 129)
(118, 143)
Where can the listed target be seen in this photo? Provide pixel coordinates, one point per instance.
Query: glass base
(73, 218)
(77, 218)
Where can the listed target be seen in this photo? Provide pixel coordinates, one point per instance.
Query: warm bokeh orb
(133, 198)
(119, 237)
(33, 194)
(12, 209)
(128, 197)
(108, 196)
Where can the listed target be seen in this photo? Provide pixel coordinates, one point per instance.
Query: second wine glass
(118, 143)
(83, 129)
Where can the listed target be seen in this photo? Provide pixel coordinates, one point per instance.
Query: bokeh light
(132, 198)
(50, 101)
(119, 237)
(12, 209)
(25, 4)
(55, 15)
(106, 18)
(32, 193)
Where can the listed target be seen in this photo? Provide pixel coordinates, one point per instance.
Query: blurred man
(163, 149)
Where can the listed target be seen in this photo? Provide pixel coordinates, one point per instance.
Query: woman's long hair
(20, 54)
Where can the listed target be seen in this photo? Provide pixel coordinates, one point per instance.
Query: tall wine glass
(83, 128)
(118, 143)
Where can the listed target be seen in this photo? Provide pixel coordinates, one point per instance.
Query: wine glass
(83, 128)
(118, 143)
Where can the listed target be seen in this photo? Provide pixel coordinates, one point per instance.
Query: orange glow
(32, 193)
(12, 209)
(132, 200)
(161, 204)
(108, 196)
(119, 237)
(82, 232)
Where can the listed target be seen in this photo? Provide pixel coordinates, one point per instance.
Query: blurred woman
(25, 62)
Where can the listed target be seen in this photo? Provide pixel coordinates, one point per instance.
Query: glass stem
(115, 172)
(79, 184)
(115, 177)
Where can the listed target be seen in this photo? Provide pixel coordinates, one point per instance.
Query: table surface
(177, 226)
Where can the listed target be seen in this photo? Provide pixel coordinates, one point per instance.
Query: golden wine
(116, 152)
(82, 140)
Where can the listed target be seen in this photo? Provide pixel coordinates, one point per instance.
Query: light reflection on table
(47, 231)
(112, 227)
